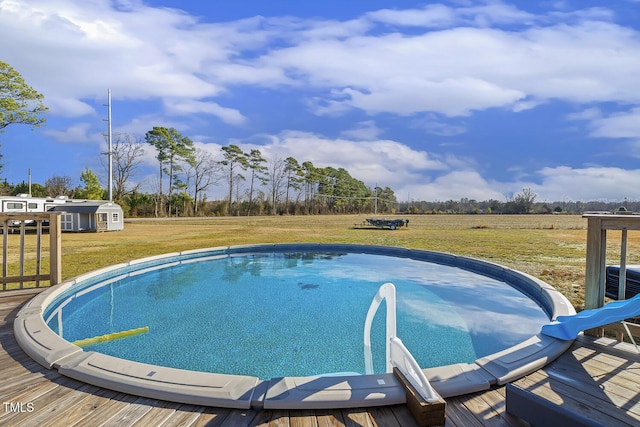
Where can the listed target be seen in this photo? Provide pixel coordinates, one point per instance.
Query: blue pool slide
(568, 327)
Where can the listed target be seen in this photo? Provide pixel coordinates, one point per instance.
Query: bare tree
(156, 195)
(238, 177)
(203, 172)
(59, 186)
(524, 200)
(127, 152)
(276, 176)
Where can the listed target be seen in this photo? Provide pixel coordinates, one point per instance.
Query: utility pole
(375, 199)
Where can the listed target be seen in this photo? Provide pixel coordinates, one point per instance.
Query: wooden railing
(595, 275)
(30, 226)
(598, 224)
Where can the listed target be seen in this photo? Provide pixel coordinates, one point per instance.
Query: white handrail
(402, 359)
(397, 355)
(388, 292)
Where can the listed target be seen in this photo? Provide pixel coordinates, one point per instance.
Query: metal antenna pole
(110, 153)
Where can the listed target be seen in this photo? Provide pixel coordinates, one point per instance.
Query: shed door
(102, 222)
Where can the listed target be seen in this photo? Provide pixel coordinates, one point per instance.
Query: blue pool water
(293, 314)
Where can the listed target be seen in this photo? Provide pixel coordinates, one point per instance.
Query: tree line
(254, 184)
(524, 202)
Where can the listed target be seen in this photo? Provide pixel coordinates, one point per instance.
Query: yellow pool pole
(110, 337)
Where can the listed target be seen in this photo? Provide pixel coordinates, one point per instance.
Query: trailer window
(14, 205)
(33, 206)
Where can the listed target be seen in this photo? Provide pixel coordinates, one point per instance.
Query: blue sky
(436, 99)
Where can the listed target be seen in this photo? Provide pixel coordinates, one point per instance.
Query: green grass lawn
(550, 247)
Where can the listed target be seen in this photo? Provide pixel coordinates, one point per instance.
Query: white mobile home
(79, 215)
(25, 203)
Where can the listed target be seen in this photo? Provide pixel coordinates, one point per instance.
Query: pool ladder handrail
(397, 355)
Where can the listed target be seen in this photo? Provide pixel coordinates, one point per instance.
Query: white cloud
(138, 51)
(431, 124)
(554, 184)
(366, 130)
(451, 96)
(453, 64)
(374, 160)
(586, 114)
(590, 183)
(457, 184)
(496, 13)
(186, 107)
(455, 71)
(69, 107)
(78, 133)
(620, 125)
(441, 16)
(431, 16)
(526, 104)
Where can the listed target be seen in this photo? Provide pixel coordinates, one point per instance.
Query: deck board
(211, 417)
(304, 418)
(159, 415)
(104, 409)
(329, 418)
(607, 375)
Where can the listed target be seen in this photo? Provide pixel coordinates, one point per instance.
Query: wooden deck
(599, 379)
(32, 395)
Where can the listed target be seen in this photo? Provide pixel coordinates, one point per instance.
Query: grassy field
(550, 247)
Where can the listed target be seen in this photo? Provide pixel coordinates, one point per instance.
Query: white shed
(90, 215)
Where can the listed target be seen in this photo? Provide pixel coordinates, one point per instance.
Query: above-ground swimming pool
(285, 322)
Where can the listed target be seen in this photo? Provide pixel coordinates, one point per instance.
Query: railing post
(38, 251)
(595, 267)
(622, 274)
(5, 245)
(23, 231)
(55, 249)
